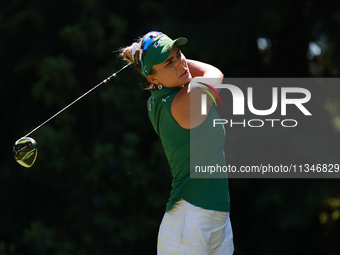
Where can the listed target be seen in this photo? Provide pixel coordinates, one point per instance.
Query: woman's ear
(152, 79)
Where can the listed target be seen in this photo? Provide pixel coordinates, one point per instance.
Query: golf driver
(25, 149)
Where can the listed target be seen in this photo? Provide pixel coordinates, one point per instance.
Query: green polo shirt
(207, 145)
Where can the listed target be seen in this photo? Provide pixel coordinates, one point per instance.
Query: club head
(25, 151)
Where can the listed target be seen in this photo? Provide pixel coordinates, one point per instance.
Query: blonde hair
(127, 54)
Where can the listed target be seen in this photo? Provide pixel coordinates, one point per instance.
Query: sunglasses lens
(148, 39)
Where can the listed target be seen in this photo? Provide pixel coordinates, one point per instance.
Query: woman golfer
(196, 220)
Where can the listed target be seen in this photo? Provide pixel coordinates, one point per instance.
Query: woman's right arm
(186, 105)
(201, 69)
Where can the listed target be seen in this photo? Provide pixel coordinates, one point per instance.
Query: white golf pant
(190, 230)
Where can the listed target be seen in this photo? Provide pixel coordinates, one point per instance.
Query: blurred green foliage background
(101, 179)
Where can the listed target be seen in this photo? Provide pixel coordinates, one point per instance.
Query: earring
(160, 86)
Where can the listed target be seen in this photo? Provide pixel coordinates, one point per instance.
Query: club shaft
(104, 81)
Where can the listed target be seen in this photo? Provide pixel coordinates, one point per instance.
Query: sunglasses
(146, 41)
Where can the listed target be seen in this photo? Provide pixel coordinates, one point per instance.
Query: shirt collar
(159, 93)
